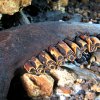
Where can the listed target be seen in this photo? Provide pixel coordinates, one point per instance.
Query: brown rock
(41, 85)
(64, 2)
(85, 86)
(56, 5)
(64, 90)
(85, 13)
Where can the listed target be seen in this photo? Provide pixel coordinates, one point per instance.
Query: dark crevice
(16, 90)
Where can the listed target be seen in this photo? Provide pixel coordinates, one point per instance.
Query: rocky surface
(64, 78)
(20, 44)
(81, 90)
(37, 86)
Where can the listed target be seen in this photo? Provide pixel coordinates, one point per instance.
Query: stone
(90, 96)
(77, 88)
(96, 87)
(37, 86)
(58, 4)
(64, 77)
(63, 91)
(12, 6)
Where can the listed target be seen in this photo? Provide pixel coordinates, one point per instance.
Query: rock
(64, 77)
(58, 4)
(76, 97)
(94, 68)
(91, 82)
(96, 88)
(63, 91)
(90, 96)
(12, 6)
(82, 66)
(85, 19)
(85, 13)
(36, 86)
(85, 86)
(77, 88)
(77, 10)
(64, 2)
(79, 80)
(97, 56)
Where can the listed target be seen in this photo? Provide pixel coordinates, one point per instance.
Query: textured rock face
(41, 85)
(64, 77)
(19, 44)
(12, 6)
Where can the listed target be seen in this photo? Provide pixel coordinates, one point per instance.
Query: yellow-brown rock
(57, 5)
(12, 6)
(37, 86)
